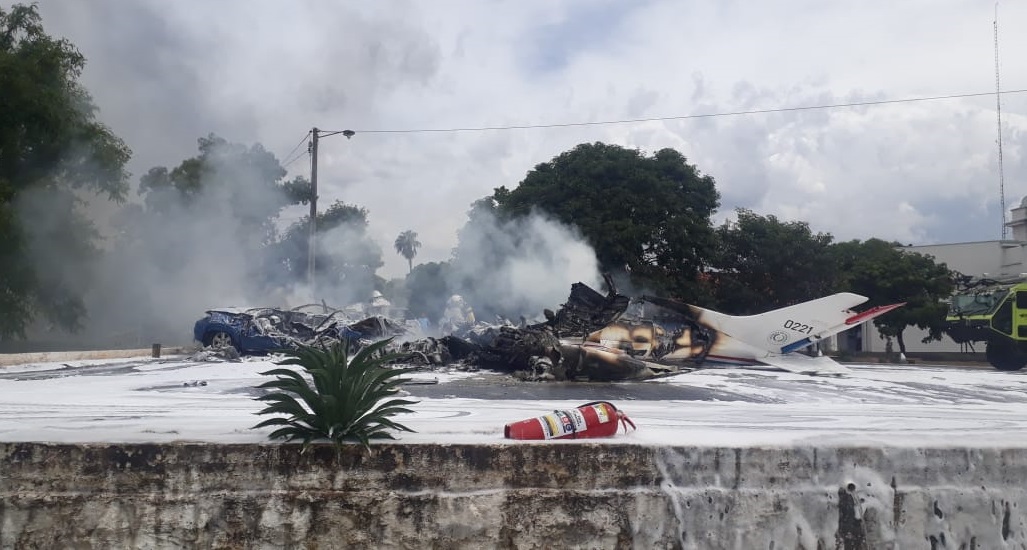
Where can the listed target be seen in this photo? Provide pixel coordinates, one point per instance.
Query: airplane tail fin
(794, 327)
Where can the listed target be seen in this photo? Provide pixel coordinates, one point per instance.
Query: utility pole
(315, 135)
(311, 248)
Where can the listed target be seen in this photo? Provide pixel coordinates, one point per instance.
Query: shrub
(347, 401)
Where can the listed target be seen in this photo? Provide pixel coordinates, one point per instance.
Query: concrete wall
(509, 496)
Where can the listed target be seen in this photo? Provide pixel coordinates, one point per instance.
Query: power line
(676, 117)
(301, 142)
(289, 154)
(294, 159)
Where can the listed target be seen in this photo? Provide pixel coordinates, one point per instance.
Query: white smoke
(520, 267)
(352, 259)
(164, 264)
(180, 254)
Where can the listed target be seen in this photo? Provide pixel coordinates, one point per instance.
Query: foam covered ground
(150, 400)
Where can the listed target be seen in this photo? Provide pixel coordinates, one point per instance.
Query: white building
(998, 259)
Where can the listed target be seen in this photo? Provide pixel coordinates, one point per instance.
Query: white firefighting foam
(150, 400)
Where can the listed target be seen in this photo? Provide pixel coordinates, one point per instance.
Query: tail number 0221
(798, 327)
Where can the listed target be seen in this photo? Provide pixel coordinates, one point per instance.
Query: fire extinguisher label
(561, 423)
(600, 410)
(579, 420)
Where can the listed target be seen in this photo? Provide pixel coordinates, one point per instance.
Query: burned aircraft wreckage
(591, 337)
(597, 337)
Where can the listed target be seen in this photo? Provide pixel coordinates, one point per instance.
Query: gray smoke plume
(210, 242)
(216, 242)
(519, 267)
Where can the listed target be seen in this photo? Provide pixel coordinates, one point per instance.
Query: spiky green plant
(347, 402)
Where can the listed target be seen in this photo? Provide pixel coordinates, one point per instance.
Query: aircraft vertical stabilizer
(792, 328)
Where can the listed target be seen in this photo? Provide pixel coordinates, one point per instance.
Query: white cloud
(166, 73)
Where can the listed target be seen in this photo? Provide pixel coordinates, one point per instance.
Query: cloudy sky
(165, 73)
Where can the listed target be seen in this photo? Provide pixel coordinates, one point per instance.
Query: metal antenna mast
(998, 111)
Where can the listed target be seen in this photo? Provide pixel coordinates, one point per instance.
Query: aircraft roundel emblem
(778, 337)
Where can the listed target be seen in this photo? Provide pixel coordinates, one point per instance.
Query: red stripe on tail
(871, 313)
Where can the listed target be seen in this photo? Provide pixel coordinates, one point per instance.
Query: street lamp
(315, 135)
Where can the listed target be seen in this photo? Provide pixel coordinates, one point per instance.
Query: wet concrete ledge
(12, 359)
(573, 495)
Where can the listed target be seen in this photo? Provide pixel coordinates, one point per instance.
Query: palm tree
(407, 245)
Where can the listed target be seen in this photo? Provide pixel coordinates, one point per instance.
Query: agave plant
(348, 400)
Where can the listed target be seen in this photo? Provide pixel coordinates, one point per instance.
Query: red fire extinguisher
(595, 419)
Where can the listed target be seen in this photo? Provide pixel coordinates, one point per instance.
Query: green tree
(763, 263)
(648, 216)
(53, 153)
(218, 207)
(346, 258)
(428, 289)
(245, 183)
(394, 290)
(406, 245)
(882, 272)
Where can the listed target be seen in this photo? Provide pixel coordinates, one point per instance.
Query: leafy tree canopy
(885, 274)
(763, 263)
(243, 182)
(52, 149)
(428, 290)
(645, 215)
(346, 259)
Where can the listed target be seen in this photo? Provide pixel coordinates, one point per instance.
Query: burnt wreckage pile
(591, 337)
(227, 332)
